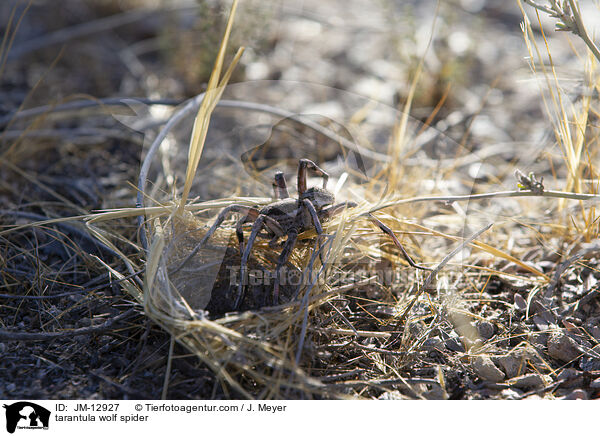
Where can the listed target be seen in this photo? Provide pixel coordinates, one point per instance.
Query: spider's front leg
(316, 222)
(334, 210)
(389, 231)
(306, 164)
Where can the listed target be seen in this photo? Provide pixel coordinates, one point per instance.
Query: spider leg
(389, 231)
(256, 228)
(315, 219)
(280, 187)
(283, 257)
(239, 232)
(272, 225)
(251, 213)
(306, 164)
(331, 211)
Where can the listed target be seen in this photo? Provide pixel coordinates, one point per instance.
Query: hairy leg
(303, 166)
(333, 210)
(317, 223)
(283, 257)
(256, 228)
(389, 231)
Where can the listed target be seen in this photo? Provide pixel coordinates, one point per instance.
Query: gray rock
(530, 381)
(454, 344)
(563, 348)
(595, 384)
(514, 363)
(577, 394)
(485, 368)
(434, 343)
(589, 363)
(520, 303)
(486, 329)
(571, 378)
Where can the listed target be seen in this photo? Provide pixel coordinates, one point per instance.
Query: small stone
(485, 368)
(589, 363)
(486, 329)
(520, 303)
(563, 348)
(568, 374)
(513, 363)
(577, 394)
(529, 381)
(454, 344)
(595, 384)
(434, 343)
(571, 378)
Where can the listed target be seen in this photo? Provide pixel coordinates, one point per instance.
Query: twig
(84, 104)
(386, 382)
(8, 335)
(498, 194)
(569, 19)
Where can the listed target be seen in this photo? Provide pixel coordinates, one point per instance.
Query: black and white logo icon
(26, 415)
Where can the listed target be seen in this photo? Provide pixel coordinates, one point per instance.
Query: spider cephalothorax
(286, 217)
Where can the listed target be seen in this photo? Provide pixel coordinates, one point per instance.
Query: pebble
(454, 344)
(530, 381)
(520, 303)
(577, 394)
(595, 384)
(571, 378)
(434, 343)
(589, 363)
(513, 363)
(563, 348)
(485, 368)
(486, 329)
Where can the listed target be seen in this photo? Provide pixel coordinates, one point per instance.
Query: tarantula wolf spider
(287, 217)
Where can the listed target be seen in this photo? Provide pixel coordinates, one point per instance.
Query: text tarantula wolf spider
(287, 217)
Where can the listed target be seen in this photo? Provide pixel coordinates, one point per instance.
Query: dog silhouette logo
(25, 414)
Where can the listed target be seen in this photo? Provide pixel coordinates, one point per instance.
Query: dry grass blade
(215, 89)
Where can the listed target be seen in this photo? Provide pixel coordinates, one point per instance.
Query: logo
(26, 415)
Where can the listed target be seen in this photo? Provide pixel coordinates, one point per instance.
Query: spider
(287, 217)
